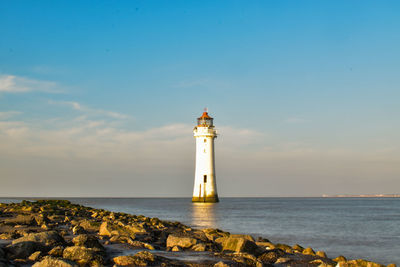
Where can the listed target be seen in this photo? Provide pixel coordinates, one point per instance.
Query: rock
(49, 238)
(284, 247)
(127, 261)
(360, 263)
(221, 240)
(143, 258)
(89, 225)
(246, 259)
(176, 248)
(141, 244)
(340, 258)
(271, 256)
(391, 265)
(88, 241)
(213, 234)
(56, 218)
(12, 235)
(267, 245)
(248, 237)
(21, 220)
(320, 263)
(199, 247)
(262, 239)
(135, 228)
(241, 245)
(56, 251)
(22, 250)
(78, 230)
(49, 261)
(221, 264)
(35, 256)
(321, 254)
(308, 251)
(182, 241)
(282, 260)
(109, 229)
(298, 248)
(83, 255)
(41, 219)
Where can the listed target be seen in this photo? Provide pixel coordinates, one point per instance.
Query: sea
(367, 228)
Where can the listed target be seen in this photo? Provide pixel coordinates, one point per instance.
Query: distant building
(205, 187)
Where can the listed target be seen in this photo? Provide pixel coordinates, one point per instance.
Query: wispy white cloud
(17, 84)
(90, 111)
(83, 150)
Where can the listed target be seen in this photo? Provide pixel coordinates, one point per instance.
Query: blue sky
(104, 95)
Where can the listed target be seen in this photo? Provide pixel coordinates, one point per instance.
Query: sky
(99, 98)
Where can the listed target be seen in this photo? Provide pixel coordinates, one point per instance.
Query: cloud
(8, 114)
(90, 111)
(83, 156)
(17, 84)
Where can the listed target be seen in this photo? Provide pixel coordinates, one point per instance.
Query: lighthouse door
(204, 188)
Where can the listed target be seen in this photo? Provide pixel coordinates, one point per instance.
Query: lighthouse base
(211, 199)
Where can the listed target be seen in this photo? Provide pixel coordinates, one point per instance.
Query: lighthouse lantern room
(205, 187)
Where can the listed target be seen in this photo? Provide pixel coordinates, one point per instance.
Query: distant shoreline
(365, 195)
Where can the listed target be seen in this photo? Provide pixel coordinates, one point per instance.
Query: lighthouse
(205, 187)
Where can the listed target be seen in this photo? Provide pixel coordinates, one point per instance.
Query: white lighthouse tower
(205, 187)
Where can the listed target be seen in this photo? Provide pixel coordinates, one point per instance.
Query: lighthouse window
(205, 140)
(205, 178)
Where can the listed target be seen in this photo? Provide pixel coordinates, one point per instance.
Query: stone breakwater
(59, 233)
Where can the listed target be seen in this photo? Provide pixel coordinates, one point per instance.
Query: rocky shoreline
(61, 234)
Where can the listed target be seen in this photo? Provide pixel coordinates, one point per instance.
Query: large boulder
(88, 241)
(49, 238)
(241, 244)
(22, 250)
(181, 241)
(119, 228)
(49, 261)
(21, 220)
(271, 256)
(143, 258)
(89, 225)
(213, 234)
(110, 229)
(135, 228)
(248, 237)
(106, 229)
(84, 256)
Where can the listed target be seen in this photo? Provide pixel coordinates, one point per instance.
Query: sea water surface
(367, 228)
